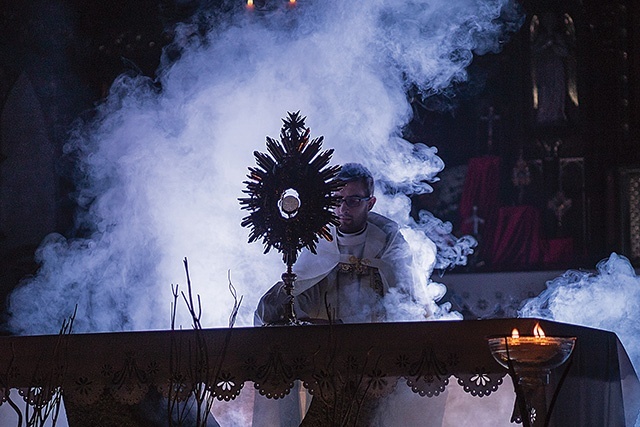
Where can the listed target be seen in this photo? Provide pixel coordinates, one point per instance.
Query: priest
(349, 277)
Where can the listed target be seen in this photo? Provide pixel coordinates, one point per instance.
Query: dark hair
(356, 172)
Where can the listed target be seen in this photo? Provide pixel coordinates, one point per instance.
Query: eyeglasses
(352, 201)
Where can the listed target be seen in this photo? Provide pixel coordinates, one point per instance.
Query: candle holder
(530, 360)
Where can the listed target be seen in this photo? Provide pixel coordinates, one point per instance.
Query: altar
(442, 372)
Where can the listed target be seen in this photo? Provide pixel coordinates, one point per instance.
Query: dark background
(59, 57)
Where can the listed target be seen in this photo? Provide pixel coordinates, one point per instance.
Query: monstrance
(291, 198)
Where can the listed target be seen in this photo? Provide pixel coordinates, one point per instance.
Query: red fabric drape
(558, 253)
(481, 189)
(517, 241)
(511, 237)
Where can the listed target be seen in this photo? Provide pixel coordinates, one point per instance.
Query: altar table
(444, 364)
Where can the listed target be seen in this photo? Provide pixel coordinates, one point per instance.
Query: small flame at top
(250, 4)
(515, 333)
(537, 331)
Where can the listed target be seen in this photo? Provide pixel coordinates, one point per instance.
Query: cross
(476, 220)
(490, 118)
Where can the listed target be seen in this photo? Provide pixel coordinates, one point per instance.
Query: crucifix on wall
(491, 118)
(476, 221)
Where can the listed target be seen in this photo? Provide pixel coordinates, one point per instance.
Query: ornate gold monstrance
(291, 198)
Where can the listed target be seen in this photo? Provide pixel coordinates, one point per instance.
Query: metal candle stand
(529, 360)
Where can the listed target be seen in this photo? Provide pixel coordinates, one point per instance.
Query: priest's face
(354, 209)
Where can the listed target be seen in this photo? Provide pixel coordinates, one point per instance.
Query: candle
(515, 337)
(538, 338)
(531, 351)
(250, 4)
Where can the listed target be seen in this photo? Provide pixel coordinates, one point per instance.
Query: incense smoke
(607, 299)
(161, 166)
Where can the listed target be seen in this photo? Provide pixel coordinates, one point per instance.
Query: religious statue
(553, 68)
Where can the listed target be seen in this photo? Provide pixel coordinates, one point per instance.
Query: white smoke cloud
(163, 163)
(607, 299)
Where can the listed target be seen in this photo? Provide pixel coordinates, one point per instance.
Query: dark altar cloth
(601, 388)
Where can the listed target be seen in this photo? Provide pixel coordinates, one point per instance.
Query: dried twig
(202, 372)
(45, 400)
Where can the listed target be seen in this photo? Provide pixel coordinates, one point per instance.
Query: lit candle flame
(515, 333)
(250, 4)
(537, 331)
(292, 2)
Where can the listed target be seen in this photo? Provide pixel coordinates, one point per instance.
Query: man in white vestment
(348, 278)
(346, 281)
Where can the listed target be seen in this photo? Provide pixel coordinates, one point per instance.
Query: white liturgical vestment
(348, 278)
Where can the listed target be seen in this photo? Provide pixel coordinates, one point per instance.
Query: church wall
(56, 71)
